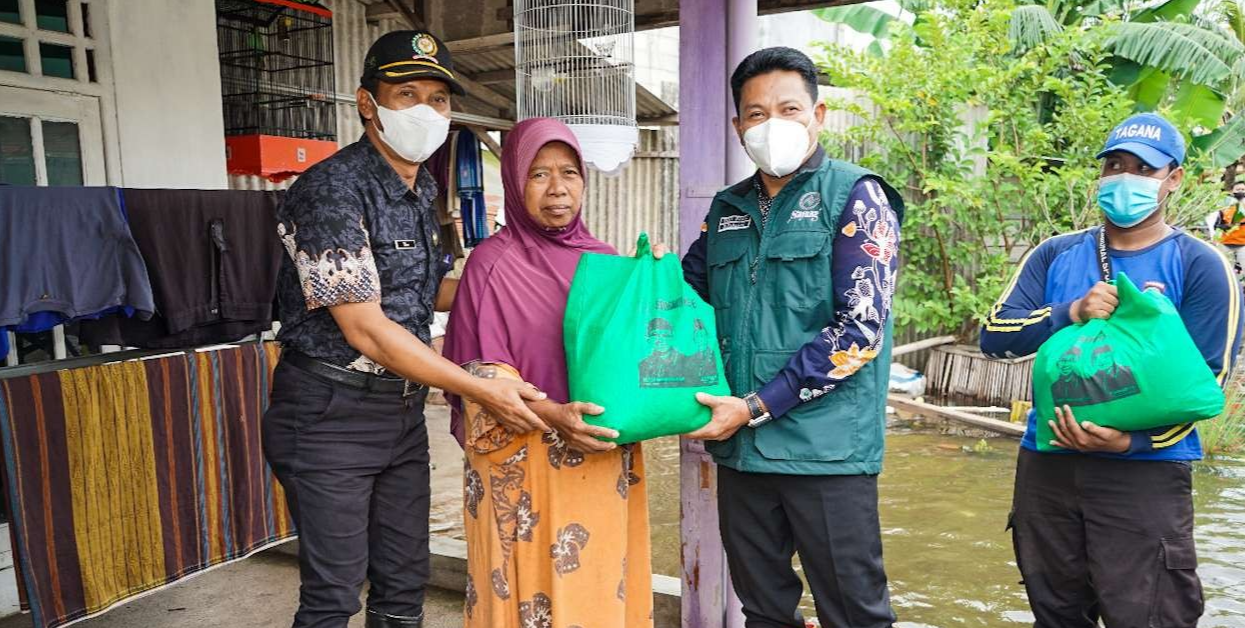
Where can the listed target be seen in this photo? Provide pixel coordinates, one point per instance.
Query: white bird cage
(575, 62)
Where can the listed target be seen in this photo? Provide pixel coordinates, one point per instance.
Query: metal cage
(575, 62)
(276, 60)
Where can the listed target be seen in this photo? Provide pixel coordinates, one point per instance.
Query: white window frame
(37, 107)
(31, 36)
(31, 95)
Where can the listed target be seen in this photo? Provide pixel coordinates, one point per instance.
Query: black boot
(381, 620)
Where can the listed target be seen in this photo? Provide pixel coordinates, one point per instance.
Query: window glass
(17, 155)
(63, 153)
(9, 12)
(52, 15)
(12, 55)
(57, 60)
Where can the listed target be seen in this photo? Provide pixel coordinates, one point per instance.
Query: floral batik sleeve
(325, 235)
(865, 258)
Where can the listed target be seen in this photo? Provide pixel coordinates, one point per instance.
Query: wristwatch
(760, 416)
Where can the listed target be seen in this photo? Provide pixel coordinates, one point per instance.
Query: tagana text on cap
(1150, 137)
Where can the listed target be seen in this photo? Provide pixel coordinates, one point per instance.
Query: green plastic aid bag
(1137, 370)
(640, 343)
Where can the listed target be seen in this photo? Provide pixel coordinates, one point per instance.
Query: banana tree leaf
(1096, 8)
(861, 18)
(1193, 53)
(1225, 145)
(1169, 10)
(1123, 72)
(1198, 105)
(1149, 89)
(1234, 15)
(1031, 26)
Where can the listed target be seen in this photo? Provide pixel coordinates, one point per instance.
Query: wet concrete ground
(259, 592)
(262, 591)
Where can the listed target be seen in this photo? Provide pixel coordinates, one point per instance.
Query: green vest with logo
(772, 292)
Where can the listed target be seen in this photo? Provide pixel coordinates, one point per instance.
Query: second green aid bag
(640, 343)
(1137, 370)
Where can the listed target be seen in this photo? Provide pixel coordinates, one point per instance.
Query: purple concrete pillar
(741, 41)
(703, 112)
(705, 141)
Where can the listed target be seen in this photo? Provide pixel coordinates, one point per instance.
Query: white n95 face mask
(414, 133)
(777, 146)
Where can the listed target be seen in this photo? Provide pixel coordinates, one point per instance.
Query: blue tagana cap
(1150, 137)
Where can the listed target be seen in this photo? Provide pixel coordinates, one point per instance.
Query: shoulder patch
(734, 223)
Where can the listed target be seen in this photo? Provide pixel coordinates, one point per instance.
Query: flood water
(944, 507)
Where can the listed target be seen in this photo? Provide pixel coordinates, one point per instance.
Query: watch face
(761, 420)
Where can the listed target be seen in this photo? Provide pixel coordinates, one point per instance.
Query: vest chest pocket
(798, 269)
(728, 270)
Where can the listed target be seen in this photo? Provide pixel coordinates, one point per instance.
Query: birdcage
(276, 62)
(575, 62)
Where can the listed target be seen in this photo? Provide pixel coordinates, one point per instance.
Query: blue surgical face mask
(1128, 199)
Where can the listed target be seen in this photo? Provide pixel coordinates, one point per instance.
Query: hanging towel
(67, 254)
(126, 477)
(213, 256)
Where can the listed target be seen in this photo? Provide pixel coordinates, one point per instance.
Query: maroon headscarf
(512, 297)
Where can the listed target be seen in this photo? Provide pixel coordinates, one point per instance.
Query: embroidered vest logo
(809, 207)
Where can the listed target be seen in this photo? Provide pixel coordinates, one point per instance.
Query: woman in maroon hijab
(556, 520)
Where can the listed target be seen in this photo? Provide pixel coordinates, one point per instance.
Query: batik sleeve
(325, 234)
(864, 261)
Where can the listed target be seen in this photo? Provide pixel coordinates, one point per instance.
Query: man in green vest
(799, 263)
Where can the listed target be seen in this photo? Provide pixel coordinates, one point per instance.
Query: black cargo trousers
(1103, 538)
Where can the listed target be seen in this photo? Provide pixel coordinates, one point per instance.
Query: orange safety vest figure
(1232, 223)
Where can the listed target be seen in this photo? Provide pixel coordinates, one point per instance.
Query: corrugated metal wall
(351, 37)
(644, 197)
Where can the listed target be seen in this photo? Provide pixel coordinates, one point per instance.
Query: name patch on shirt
(734, 223)
(403, 245)
(805, 214)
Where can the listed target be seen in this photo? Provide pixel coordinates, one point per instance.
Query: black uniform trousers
(354, 466)
(1102, 538)
(831, 520)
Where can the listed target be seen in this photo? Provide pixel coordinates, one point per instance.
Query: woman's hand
(568, 421)
(658, 250)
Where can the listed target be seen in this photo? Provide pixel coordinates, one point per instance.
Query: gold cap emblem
(424, 44)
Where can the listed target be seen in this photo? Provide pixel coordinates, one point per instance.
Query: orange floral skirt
(555, 538)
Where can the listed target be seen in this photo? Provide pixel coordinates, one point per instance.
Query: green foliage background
(993, 146)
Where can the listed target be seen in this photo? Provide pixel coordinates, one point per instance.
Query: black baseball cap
(402, 56)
